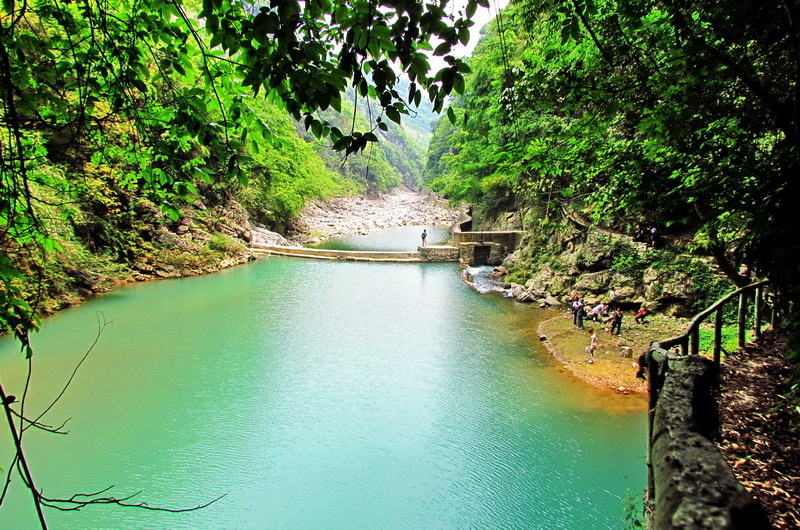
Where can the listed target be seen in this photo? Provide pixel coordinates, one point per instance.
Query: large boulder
(596, 253)
(595, 286)
(595, 282)
(552, 301)
(660, 285)
(548, 281)
(525, 296)
(262, 236)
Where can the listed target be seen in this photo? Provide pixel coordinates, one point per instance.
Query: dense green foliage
(130, 105)
(103, 223)
(284, 176)
(680, 114)
(707, 286)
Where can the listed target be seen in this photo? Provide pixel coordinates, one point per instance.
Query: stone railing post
(740, 321)
(688, 482)
(757, 313)
(717, 337)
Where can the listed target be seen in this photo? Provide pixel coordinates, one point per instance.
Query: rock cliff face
(592, 262)
(201, 241)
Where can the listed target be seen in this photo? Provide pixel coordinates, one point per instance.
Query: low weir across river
(471, 248)
(431, 253)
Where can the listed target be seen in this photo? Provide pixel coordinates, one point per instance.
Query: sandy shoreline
(605, 372)
(610, 370)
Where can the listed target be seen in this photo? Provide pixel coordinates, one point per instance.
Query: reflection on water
(398, 239)
(319, 394)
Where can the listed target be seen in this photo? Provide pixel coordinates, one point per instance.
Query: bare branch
(80, 500)
(22, 463)
(42, 426)
(101, 325)
(11, 468)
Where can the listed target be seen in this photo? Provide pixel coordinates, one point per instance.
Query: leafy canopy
(177, 81)
(680, 113)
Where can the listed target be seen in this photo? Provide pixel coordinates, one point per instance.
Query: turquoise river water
(320, 395)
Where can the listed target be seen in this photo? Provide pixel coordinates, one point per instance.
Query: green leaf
(472, 7)
(463, 36)
(393, 115)
(451, 115)
(443, 49)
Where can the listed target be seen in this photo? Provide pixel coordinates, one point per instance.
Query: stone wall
(692, 485)
(472, 245)
(507, 239)
(482, 253)
(438, 253)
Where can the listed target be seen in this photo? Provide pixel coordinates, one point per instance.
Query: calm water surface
(316, 394)
(397, 239)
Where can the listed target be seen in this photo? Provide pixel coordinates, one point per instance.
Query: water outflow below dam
(316, 394)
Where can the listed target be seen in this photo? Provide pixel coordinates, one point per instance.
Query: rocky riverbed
(348, 216)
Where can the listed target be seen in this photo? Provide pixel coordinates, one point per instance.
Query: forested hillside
(128, 157)
(602, 113)
(612, 114)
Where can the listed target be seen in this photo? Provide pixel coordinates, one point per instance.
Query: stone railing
(689, 483)
(689, 340)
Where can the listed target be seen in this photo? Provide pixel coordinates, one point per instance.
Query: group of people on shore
(647, 235)
(602, 313)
